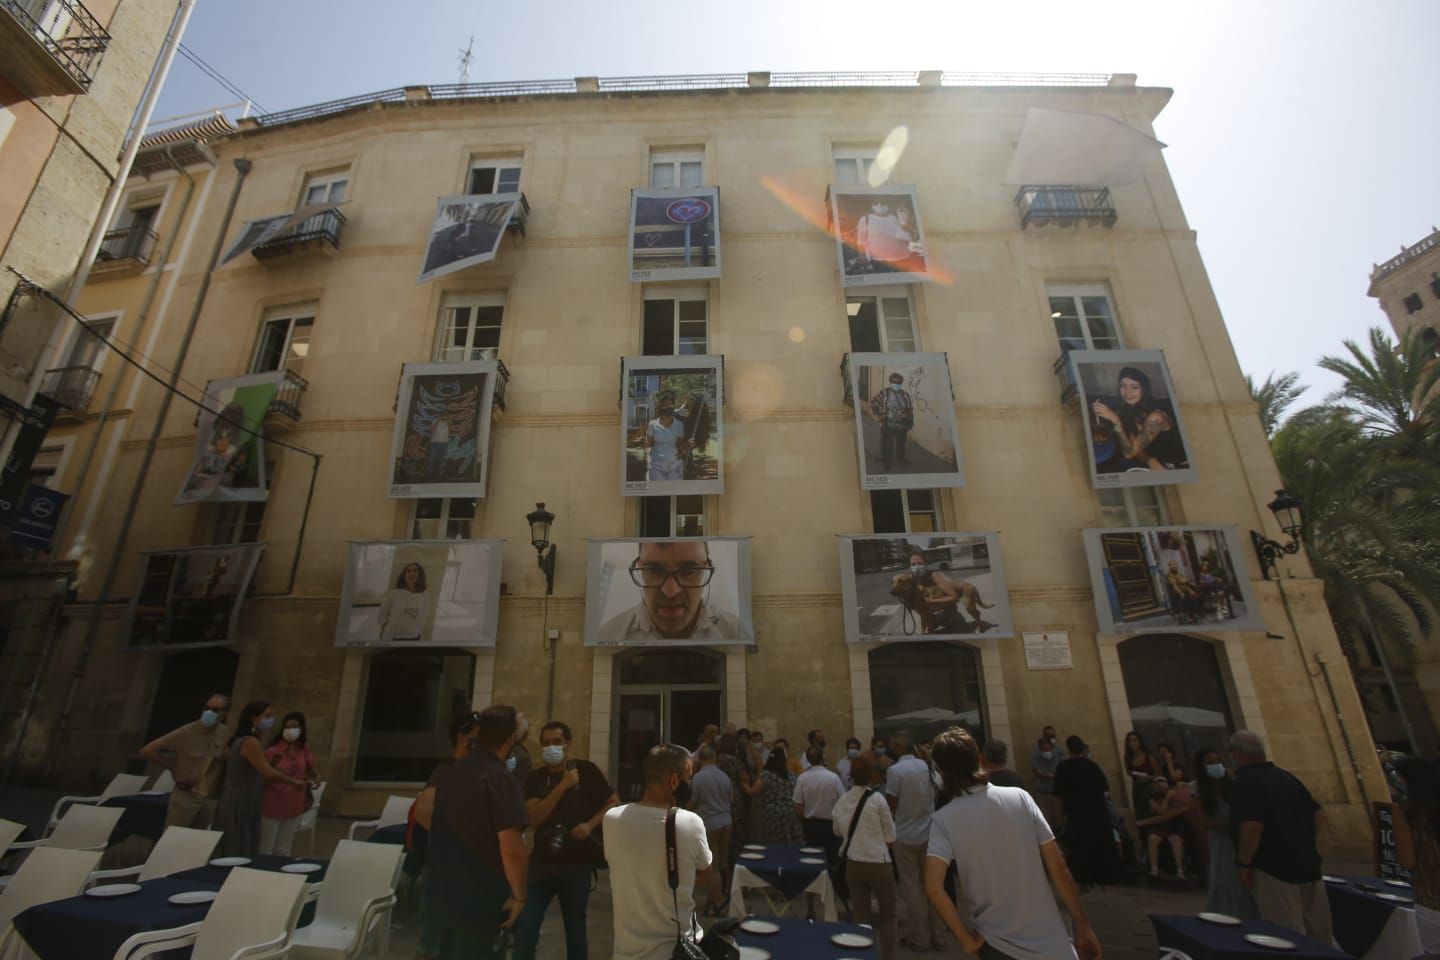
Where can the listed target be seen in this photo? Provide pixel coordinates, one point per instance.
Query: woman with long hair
(1144, 428)
(1417, 843)
(869, 870)
(777, 822)
(282, 805)
(1223, 893)
(1140, 765)
(238, 814)
(406, 607)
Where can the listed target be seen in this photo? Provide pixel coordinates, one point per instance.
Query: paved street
(881, 613)
(921, 460)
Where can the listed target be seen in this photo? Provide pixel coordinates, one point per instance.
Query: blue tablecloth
(1209, 941)
(216, 875)
(782, 868)
(807, 939)
(395, 833)
(1359, 916)
(144, 815)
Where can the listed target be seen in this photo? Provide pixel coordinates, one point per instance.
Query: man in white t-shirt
(665, 439)
(646, 910)
(817, 790)
(1002, 849)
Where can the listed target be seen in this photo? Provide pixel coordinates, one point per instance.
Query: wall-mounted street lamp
(540, 520)
(1288, 512)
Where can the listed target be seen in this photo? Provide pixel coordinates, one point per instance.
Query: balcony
(1065, 373)
(124, 252)
(1065, 205)
(51, 47)
(847, 395)
(284, 409)
(501, 382)
(71, 387)
(318, 233)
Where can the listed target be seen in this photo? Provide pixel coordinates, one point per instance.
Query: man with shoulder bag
(865, 868)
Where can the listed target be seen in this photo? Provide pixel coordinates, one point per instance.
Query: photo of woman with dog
(924, 587)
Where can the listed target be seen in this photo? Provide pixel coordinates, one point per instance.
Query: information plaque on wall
(1048, 651)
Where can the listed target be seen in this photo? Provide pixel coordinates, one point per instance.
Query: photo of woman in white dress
(406, 607)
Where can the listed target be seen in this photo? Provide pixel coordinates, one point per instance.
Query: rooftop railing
(1406, 255)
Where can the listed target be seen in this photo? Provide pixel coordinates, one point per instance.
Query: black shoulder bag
(842, 886)
(686, 948)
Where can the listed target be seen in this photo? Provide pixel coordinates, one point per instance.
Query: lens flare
(797, 335)
(892, 148)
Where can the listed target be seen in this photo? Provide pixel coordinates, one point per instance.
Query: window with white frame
(490, 176)
(284, 339)
(88, 347)
(680, 516)
(852, 165)
(905, 511)
(238, 522)
(1133, 507)
(677, 168)
(1084, 317)
(328, 187)
(676, 323)
(882, 321)
(443, 519)
(470, 328)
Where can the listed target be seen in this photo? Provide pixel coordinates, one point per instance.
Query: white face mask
(553, 755)
(917, 568)
(291, 733)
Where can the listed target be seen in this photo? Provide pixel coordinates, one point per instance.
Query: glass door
(639, 729)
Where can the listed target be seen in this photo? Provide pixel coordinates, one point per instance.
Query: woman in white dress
(403, 613)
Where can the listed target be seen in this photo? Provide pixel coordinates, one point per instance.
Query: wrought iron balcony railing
(1065, 373)
(1065, 205)
(50, 46)
(127, 243)
(322, 229)
(71, 387)
(287, 396)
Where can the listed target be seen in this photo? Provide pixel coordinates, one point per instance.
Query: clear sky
(1303, 136)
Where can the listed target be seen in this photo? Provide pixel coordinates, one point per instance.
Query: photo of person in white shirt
(405, 608)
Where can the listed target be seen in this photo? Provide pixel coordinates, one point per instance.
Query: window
(1434, 279)
(1132, 507)
(239, 522)
(139, 216)
(326, 187)
(852, 165)
(470, 329)
(925, 688)
(494, 176)
(443, 519)
(414, 701)
(672, 516)
(676, 325)
(677, 168)
(882, 322)
(284, 342)
(1413, 303)
(1084, 319)
(88, 347)
(905, 511)
(46, 466)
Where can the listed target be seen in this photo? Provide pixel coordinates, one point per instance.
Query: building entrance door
(664, 696)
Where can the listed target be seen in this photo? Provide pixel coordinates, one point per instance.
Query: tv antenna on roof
(467, 57)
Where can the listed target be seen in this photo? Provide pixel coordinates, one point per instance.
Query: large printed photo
(420, 593)
(658, 592)
(905, 421)
(229, 463)
(878, 235)
(441, 443)
(675, 233)
(191, 597)
(671, 426)
(1132, 421)
(1149, 578)
(938, 586)
(467, 230)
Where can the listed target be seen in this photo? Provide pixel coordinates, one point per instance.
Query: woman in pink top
(283, 805)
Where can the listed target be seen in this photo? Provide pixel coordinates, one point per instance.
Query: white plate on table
(1265, 940)
(193, 896)
(754, 953)
(229, 861)
(759, 926)
(752, 856)
(754, 846)
(1329, 879)
(113, 890)
(301, 868)
(1398, 883)
(1223, 919)
(1395, 898)
(856, 940)
(812, 849)
(812, 860)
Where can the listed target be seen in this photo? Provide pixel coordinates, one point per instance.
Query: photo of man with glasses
(673, 578)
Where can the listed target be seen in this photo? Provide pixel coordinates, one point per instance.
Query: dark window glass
(887, 511)
(658, 337)
(272, 346)
(1413, 304)
(672, 667)
(414, 699)
(1176, 694)
(865, 326)
(654, 516)
(926, 688)
(482, 180)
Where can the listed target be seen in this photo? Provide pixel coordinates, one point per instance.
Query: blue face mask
(209, 718)
(266, 723)
(1215, 771)
(854, 752)
(879, 751)
(510, 763)
(553, 755)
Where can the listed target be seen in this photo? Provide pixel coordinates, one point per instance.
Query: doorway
(663, 696)
(186, 680)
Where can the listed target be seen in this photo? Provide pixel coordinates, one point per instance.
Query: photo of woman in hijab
(1134, 430)
(406, 607)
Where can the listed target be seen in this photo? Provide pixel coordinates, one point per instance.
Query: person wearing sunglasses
(672, 577)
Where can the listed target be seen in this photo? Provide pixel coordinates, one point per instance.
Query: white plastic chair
(355, 900)
(179, 848)
(397, 810)
(311, 817)
(123, 784)
(82, 828)
(253, 918)
(9, 830)
(46, 875)
(164, 783)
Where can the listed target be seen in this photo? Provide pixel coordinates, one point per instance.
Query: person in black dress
(1089, 839)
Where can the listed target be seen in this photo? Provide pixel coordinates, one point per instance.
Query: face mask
(510, 763)
(682, 794)
(1047, 754)
(209, 718)
(854, 752)
(879, 751)
(917, 568)
(553, 755)
(895, 386)
(266, 723)
(1215, 771)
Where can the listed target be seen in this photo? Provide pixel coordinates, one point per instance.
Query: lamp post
(1289, 512)
(540, 520)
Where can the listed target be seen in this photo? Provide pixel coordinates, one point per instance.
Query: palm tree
(1390, 391)
(1275, 396)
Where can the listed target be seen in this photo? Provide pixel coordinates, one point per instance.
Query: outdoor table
(808, 939)
(144, 815)
(1208, 941)
(781, 871)
(215, 876)
(1371, 927)
(395, 833)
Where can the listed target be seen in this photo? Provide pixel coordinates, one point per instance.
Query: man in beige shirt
(189, 752)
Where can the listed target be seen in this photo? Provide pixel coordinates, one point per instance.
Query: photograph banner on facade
(1132, 420)
(441, 444)
(678, 591)
(467, 230)
(671, 427)
(924, 586)
(191, 597)
(905, 421)
(1155, 578)
(878, 235)
(256, 232)
(674, 233)
(229, 463)
(420, 593)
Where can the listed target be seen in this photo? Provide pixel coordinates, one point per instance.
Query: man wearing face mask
(191, 750)
(566, 800)
(1043, 761)
(852, 752)
(476, 884)
(647, 912)
(896, 413)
